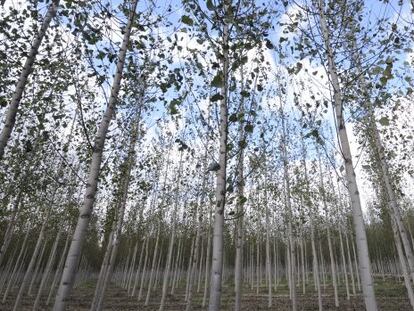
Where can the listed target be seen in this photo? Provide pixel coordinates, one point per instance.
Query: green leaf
(244, 93)
(3, 101)
(242, 200)
(242, 144)
(384, 121)
(248, 128)
(210, 5)
(233, 117)
(298, 68)
(187, 20)
(217, 81)
(216, 97)
(269, 44)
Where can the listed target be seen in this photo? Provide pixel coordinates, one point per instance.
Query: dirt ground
(391, 296)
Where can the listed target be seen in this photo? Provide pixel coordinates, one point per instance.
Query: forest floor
(391, 296)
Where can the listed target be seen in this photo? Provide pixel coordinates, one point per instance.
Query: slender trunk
(208, 255)
(16, 266)
(104, 268)
(24, 75)
(37, 267)
(348, 297)
(10, 226)
(302, 256)
(268, 266)
(257, 267)
(177, 265)
(333, 267)
(195, 258)
(382, 164)
(351, 269)
(362, 244)
(130, 272)
(58, 270)
(137, 275)
(292, 254)
(72, 260)
(200, 267)
(47, 270)
(130, 160)
(172, 238)
(5, 272)
(217, 264)
(144, 270)
(153, 267)
(356, 264)
(403, 263)
(190, 264)
(238, 273)
(32, 262)
(316, 267)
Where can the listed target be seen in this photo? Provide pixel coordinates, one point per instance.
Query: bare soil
(391, 296)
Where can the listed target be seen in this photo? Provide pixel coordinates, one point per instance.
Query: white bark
(58, 270)
(37, 267)
(138, 272)
(207, 267)
(121, 206)
(153, 267)
(292, 255)
(172, 238)
(348, 297)
(72, 260)
(238, 267)
(333, 267)
(47, 271)
(217, 264)
(403, 263)
(16, 266)
(144, 270)
(130, 272)
(27, 275)
(10, 226)
(362, 245)
(351, 269)
(24, 74)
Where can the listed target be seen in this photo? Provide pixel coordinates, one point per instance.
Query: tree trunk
(348, 297)
(172, 238)
(208, 255)
(130, 160)
(58, 270)
(292, 252)
(20, 259)
(153, 267)
(144, 270)
(362, 245)
(137, 275)
(10, 226)
(333, 267)
(47, 270)
(238, 267)
(37, 267)
(24, 74)
(32, 262)
(72, 260)
(403, 263)
(217, 264)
